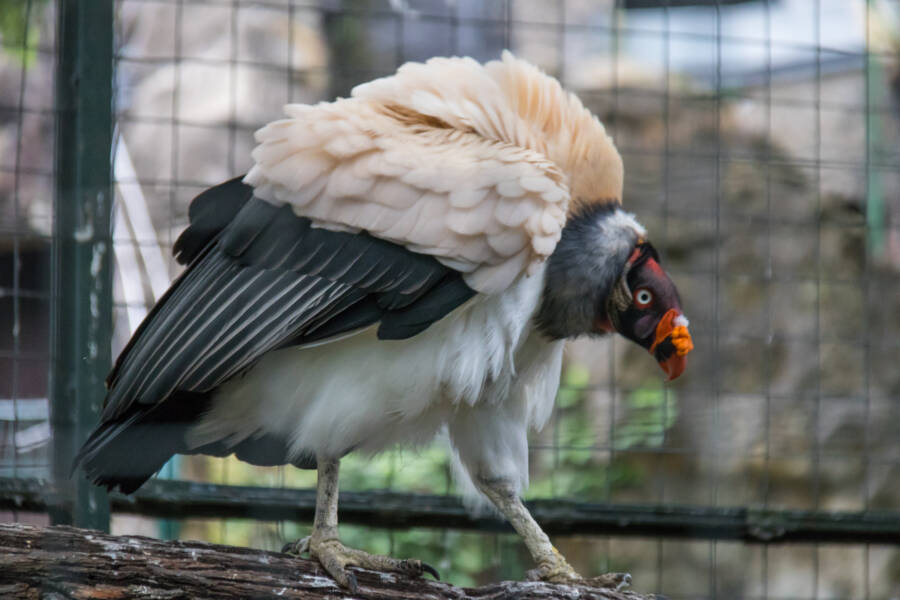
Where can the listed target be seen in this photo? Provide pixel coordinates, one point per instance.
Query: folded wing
(269, 279)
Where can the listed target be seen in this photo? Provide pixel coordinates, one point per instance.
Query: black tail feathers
(127, 451)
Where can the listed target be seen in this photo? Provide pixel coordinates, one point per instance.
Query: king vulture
(397, 264)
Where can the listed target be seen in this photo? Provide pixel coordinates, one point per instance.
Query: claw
(296, 548)
(352, 585)
(431, 570)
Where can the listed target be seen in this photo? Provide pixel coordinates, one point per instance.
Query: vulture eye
(643, 297)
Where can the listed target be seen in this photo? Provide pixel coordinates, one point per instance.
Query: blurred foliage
(18, 32)
(652, 411)
(576, 467)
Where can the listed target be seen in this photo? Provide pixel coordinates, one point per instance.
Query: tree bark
(67, 563)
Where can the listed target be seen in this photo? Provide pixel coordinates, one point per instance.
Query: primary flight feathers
(473, 164)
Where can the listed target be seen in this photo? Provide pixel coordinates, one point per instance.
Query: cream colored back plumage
(478, 165)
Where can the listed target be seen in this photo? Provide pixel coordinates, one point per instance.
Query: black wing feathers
(128, 450)
(412, 319)
(267, 280)
(259, 278)
(210, 213)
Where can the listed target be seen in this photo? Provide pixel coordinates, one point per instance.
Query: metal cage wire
(27, 51)
(760, 146)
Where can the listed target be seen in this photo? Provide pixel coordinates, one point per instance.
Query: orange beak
(672, 343)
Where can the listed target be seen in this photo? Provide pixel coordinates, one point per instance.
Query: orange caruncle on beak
(672, 343)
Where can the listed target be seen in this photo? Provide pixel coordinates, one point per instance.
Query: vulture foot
(335, 558)
(558, 570)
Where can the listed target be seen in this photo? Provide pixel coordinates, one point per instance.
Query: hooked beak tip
(672, 332)
(674, 366)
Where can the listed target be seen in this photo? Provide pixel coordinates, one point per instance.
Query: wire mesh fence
(27, 60)
(760, 140)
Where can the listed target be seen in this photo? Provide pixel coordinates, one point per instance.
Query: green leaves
(18, 33)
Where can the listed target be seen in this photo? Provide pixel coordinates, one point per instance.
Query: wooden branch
(68, 563)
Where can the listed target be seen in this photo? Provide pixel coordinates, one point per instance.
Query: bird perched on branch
(402, 262)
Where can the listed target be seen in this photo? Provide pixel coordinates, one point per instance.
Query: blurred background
(761, 141)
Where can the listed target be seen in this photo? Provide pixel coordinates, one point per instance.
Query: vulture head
(645, 308)
(604, 277)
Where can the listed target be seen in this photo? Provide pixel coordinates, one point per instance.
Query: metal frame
(81, 321)
(393, 510)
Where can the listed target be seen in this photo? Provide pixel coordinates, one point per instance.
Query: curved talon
(350, 581)
(297, 547)
(415, 568)
(431, 571)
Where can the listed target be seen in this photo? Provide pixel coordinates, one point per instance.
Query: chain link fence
(761, 140)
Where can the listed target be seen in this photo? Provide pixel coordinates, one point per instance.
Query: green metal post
(874, 93)
(82, 249)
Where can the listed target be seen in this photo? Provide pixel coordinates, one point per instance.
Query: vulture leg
(324, 545)
(551, 565)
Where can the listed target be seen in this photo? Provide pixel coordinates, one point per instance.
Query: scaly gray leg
(551, 565)
(324, 545)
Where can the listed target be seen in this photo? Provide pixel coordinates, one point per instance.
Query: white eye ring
(643, 297)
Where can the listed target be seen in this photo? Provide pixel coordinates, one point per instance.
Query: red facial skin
(655, 319)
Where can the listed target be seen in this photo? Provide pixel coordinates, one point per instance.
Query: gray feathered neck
(585, 268)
